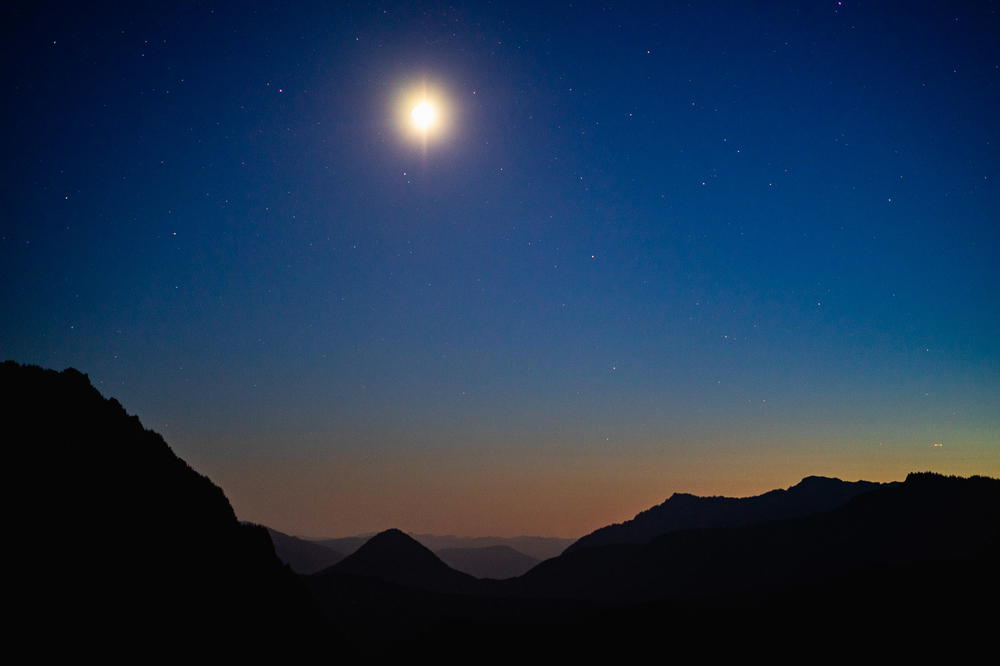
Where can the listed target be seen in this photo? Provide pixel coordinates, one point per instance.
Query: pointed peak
(395, 556)
(392, 535)
(393, 541)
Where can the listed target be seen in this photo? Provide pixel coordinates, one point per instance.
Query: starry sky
(707, 247)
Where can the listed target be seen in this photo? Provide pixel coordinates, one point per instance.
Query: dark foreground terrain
(122, 550)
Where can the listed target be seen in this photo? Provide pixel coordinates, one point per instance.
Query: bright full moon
(423, 115)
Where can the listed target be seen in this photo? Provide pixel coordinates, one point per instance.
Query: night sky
(708, 247)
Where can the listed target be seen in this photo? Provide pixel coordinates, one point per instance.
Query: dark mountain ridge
(302, 556)
(683, 511)
(481, 557)
(343, 545)
(926, 519)
(159, 551)
(537, 547)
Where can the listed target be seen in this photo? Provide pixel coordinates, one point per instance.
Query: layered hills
(499, 562)
(861, 576)
(481, 557)
(159, 558)
(301, 555)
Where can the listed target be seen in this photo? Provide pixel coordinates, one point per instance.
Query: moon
(424, 115)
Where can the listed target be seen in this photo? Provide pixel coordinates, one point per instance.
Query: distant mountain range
(683, 511)
(498, 562)
(537, 547)
(158, 558)
(928, 518)
(751, 544)
(501, 558)
(307, 557)
(482, 557)
(343, 545)
(881, 563)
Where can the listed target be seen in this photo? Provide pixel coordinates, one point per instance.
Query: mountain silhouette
(159, 558)
(537, 547)
(928, 519)
(860, 578)
(683, 511)
(344, 545)
(398, 558)
(301, 555)
(488, 562)
(159, 555)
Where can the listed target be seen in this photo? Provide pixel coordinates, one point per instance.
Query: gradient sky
(710, 248)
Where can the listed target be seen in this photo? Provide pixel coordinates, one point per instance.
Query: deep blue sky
(710, 247)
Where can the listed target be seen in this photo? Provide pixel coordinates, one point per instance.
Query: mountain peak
(397, 557)
(393, 543)
(392, 533)
(390, 547)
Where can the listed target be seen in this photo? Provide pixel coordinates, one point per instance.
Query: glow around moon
(423, 113)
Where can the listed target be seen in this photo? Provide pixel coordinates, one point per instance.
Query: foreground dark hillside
(120, 540)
